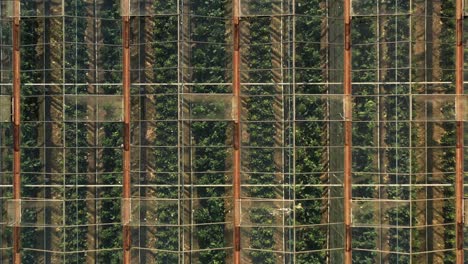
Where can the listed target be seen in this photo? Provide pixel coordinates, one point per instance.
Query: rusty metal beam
(459, 132)
(347, 131)
(16, 118)
(126, 194)
(237, 130)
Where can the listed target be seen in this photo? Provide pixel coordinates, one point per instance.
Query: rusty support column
(237, 130)
(16, 130)
(459, 131)
(126, 155)
(347, 131)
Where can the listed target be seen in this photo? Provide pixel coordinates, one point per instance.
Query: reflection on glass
(208, 107)
(93, 108)
(36, 213)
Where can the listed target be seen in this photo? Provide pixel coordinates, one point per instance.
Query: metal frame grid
(242, 131)
(69, 192)
(406, 93)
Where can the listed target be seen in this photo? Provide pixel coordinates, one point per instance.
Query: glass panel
(37, 8)
(142, 255)
(152, 212)
(149, 7)
(5, 108)
(261, 7)
(93, 108)
(208, 107)
(266, 212)
(433, 107)
(37, 213)
(380, 213)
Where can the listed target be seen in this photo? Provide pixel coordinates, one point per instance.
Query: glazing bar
(459, 131)
(237, 130)
(348, 131)
(126, 154)
(16, 128)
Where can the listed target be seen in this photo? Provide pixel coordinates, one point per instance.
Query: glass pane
(261, 7)
(5, 108)
(38, 213)
(152, 212)
(149, 7)
(266, 212)
(208, 107)
(93, 108)
(37, 8)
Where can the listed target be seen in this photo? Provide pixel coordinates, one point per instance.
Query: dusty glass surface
(186, 126)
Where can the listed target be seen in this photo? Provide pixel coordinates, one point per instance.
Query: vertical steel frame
(126, 194)
(237, 129)
(347, 131)
(16, 129)
(459, 132)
